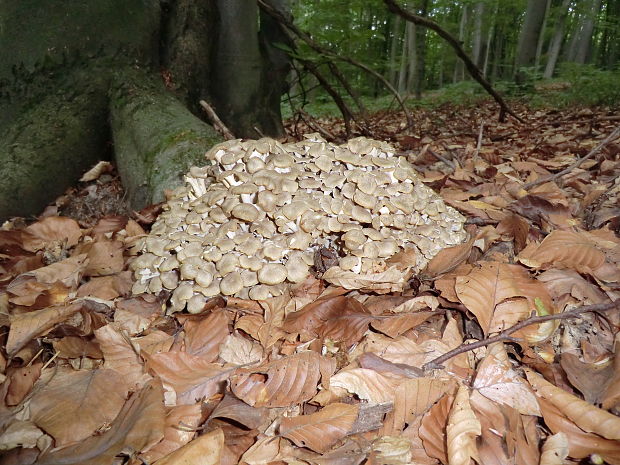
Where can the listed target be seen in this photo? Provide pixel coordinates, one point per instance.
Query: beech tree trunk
(85, 80)
(584, 41)
(555, 45)
(528, 37)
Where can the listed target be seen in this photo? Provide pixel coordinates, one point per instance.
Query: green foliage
(589, 85)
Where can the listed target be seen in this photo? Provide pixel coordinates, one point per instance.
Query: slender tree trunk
(404, 60)
(490, 34)
(528, 37)
(420, 68)
(541, 36)
(395, 40)
(459, 69)
(555, 45)
(476, 47)
(413, 59)
(582, 53)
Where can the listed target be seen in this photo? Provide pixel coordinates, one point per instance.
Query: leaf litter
(347, 374)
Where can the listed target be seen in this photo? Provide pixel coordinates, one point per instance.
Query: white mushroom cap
(231, 283)
(272, 273)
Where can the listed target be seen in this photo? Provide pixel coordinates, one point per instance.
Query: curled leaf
(462, 429)
(588, 417)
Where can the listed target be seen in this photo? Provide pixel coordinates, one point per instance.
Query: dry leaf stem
(578, 163)
(505, 335)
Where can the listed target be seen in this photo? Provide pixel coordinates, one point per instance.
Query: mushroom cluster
(248, 224)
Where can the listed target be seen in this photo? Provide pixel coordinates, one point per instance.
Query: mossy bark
(81, 81)
(156, 139)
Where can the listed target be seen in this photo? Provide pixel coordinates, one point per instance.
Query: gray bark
(541, 36)
(156, 139)
(459, 68)
(476, 47)
(555, 45)
(528, 37)
(582, 51)
(394, 43)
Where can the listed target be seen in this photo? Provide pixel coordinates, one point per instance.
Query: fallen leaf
(204, 450)
(238, 350)
(390, 280)
(75, 404)
(53, 228)
(586, 416)
(496, 380)
(205, 334)
(554, 450)
(462, 429)
(319, 431)
(192, 377)
(367, 384)
(433, 429)
(138, 426)
(282, 382)
(105, 258)
(580, 443)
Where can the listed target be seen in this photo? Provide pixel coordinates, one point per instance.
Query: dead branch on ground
(216, 121)
(578, 163)
(505, 335)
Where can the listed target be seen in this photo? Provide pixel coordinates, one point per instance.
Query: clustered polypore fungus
(247, 225)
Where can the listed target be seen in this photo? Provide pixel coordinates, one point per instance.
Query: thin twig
(216, 121)
(450, 163)
(505, 335)
(479, 144)
(578, 163)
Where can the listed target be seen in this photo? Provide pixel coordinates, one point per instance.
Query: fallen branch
(505, 335)
(473, 70)
(578, 163)
(216, 121)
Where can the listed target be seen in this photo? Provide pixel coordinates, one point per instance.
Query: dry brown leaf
(414, 397)
(27, 326)
(192, 377)
(347, 329)
(564, 249)
(53, 228)
(392, 450)
(311, 316)
(493, 283)
(319, 431)
(492, 444)
(554, 450)
(515, 227)
(154, 342)
(20, 381)
(561, 283)
(496, 380)
(204, 450)
(580, 443)
(433, 429)
(75, 404)
(19, 434)
(179, 429)
(445, 284)
(267, 450)
(283, 382)
(105, 258)
(205, 334)
(234, 409)
(449, 258)
(138, 426)
(586, 416)
(611, 396)
(395, 325)
(76, 347)
(390, 280)
(590, 379)
(120, 355)
(238, 350)
(107, 287)
(373, 387)
(136, 314)
(462, 429)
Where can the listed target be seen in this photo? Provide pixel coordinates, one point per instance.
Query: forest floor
(94, 375)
